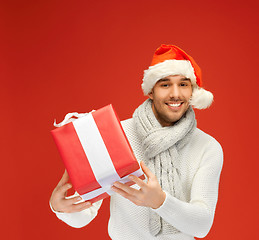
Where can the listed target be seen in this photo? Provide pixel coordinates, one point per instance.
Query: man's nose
(174, 91)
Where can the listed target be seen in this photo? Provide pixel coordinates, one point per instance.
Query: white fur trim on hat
(201, 98)
(164, 69)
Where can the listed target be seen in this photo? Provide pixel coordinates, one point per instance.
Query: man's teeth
(175, 104)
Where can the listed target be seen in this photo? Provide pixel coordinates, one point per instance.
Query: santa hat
(171, 60)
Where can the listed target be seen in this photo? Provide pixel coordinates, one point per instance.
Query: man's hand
(150, 194)
(60, 203)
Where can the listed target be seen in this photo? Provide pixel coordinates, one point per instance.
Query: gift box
(96, 153)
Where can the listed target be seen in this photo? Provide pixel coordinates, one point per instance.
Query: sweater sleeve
(79, 219)
(195, 217)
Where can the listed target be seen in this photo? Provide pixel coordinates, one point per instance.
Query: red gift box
(96, 153)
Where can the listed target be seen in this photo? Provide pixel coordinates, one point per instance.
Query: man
(182, 164)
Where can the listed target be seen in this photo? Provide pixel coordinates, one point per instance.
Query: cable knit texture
(160, 146)
(200, 163)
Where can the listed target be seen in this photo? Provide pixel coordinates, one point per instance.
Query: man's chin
(176, 117)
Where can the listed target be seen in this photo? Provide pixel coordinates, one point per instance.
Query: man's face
(171, 97)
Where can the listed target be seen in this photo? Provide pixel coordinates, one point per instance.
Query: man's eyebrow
(167, 79)
(164, 80)
(185, 79)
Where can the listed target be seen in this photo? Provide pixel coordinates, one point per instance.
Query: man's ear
(150, 95)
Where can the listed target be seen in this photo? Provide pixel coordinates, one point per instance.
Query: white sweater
(200, 166)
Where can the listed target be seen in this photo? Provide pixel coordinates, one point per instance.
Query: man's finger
(64, 179)
(138, 181)
(123, 193)
(79, 207)
(63, 189)
(146, 170)
(73, 200)
(125, 188)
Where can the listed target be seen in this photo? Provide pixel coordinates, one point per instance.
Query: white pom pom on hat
(171, 60)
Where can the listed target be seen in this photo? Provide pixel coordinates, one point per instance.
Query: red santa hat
(171, 60)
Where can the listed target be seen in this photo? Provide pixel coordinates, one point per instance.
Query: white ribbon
(107, 188)
(70, 117)
(96, 151)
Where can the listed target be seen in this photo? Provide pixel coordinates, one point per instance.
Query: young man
(182, 164)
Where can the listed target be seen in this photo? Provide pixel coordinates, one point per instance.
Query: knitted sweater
(200, 167)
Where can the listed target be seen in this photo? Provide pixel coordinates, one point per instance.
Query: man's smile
(175, 105)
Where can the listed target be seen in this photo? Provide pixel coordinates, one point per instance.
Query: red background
(62, 56)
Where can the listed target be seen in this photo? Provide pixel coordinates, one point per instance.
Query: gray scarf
(161, 146)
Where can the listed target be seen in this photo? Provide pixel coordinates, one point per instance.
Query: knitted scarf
(161, 146)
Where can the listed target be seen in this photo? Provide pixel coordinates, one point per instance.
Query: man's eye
(165, 85)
